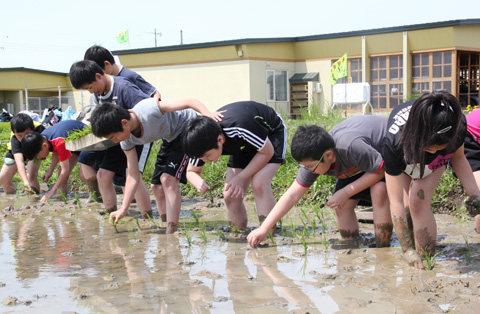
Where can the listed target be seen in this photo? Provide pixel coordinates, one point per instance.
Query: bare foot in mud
(171, 227)
(163, 217)
(413, 259)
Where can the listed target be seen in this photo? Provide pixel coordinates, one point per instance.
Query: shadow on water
(61, 258)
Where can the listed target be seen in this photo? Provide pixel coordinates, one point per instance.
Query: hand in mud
(256, 236)
(46, 196)
(116, 216)
(203, 187)
(235, 187)
(473, 205)
(338, 200)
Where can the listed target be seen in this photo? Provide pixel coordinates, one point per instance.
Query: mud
(60, 258)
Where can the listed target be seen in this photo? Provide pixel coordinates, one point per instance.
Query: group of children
(393, 165)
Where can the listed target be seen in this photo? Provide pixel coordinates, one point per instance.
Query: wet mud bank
(65, 258)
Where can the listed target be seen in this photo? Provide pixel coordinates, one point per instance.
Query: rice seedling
(469, 250)
(270, 236)
(95, 197)
(188, 234)
(203, 233)
(429, 259)
(154, 224)
(77, 199)
(114, 226)
(196, 217)
(138, 223)
(62, 196)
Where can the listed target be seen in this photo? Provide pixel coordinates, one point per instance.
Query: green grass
(74, 135)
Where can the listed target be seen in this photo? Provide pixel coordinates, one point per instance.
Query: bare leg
(143, 199)
(160, 200)
(173, 200)
(90, 177)
(381, 214)
(107, 189)
(6, 176)
(236, 211)
(347, 220)
(32, 173)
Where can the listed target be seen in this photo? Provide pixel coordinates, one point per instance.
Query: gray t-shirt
(358, 141)
(156, 125)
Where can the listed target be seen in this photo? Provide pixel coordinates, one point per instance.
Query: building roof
(31, 70)
(301, 38)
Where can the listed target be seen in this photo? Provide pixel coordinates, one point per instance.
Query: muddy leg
(171, 227)
(383, 234)
(407, 242)
(93, 190)
(477, 223)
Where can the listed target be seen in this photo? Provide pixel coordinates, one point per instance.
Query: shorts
(114, 160)
(171, 160)
(364, 197)
(9, 159)
(472, 152)
(279, 143)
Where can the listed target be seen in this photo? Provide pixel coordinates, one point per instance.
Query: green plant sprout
(222, 236)
(188, 234)
(138, 224)
(203, 233)
(326, 244)
(94, 197)
(270, 236)
(280, 223)
(429, 259)
(196, 217)
(211, 195)
(62, 196)
(114, 226)
(77, 199)
(469, 250)
(151, 220)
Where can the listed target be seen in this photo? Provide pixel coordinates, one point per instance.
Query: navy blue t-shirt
(123, 93)
(138, 80)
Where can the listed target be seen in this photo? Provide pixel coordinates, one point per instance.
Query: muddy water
(60, 258)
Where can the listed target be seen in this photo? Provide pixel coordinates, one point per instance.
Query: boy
(36, 145)
(254, 136)
(104, 58)
(150, 120)
(100, 167)
(20, 124)
(350, 152)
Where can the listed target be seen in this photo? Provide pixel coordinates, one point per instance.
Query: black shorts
(171, 160)
(364, 197)
(472, 152)
(279, 143)
(114, 160)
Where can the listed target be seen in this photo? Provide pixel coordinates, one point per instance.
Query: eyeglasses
(318, 163)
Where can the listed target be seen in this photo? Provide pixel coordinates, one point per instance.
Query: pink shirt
(473, 124)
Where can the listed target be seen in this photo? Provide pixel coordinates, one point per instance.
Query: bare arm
(286, 202)
(51, 169)
(20, 162)
(195, 178)
(63, 177)
(366, 180)
(131, 184)
(198, 106)
(464, 172)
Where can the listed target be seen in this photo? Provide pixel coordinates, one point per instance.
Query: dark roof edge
(301, 38)
(32, 70)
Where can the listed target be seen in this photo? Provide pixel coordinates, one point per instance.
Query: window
(354, 68)
(469, 78)
(386, 76)
(277, 85)
(431, 72)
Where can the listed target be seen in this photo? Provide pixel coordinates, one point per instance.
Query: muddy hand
(256, 236)
(116, 216)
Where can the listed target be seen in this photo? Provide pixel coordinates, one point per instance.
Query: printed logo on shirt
(438, 162)
(399, 120)
(172, 165)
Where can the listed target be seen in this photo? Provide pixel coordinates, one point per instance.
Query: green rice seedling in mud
(325, 243)
(429, 259)
(280, 223)
(138, 223)
(203, 233)
(271, 238)
(222, 236)
(292, 228)
(77, 200)
(95, 197)
(469, 250)
(303, 240)
(196, 217)
(188, 234)
(154, 224)
(114, 226)
(63, 197)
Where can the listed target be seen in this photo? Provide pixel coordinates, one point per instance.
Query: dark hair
(434, 119)
(200, 135)
(99, 55)
(107, 119)
(21, 122)
(310, 142)
(31, 145)
(83, 72)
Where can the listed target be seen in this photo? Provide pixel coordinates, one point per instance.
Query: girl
(422, 136)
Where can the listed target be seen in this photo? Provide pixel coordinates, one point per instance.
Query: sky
(51, 35)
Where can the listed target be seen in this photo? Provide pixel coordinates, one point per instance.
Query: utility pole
(155, 34)
(181, 37)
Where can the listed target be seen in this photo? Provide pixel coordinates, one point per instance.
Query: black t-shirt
(246, 126)
(394, 161)
(15, 143)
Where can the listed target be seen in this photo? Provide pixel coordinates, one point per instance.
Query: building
(291, 74)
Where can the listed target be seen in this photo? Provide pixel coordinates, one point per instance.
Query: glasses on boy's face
(309, 168)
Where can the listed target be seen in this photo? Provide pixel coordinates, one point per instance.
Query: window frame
(274, 85)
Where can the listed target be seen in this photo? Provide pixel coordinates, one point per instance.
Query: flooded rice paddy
(65, 258)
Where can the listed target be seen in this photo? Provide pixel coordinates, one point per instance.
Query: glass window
(277, 85)
(386, 75)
